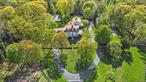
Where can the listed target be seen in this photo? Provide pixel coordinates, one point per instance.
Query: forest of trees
(27, 35)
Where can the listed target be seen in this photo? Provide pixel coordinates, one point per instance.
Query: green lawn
(135, 71)
(125, 73)
(72, 58)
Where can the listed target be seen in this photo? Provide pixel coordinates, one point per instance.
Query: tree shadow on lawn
(109, 60)
(91, 76)
(142, 51)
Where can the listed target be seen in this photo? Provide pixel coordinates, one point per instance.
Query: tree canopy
(86, 51)
(103, 34)
(89, 9)
(65, 7)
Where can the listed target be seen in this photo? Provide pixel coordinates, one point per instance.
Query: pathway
(79, 77)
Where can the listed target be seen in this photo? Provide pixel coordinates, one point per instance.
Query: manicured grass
(133, 72)
(102, 70)
(72, 58)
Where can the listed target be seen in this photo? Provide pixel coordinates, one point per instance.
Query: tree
(51, 67)
(13, 52)
(134, 2)
(47, 37)
(65, 7)
(85, 22)
(8, 2)
(92, 76)
(86, 34)
(5, 14)
(63, 59)
(51, 6)
(86, 51)
(133, 21)
(2, 51)
(132, 18)
(101, 6)
(60, 40)
(32, 10)
(20, 28)
(31, 22)
(42, 36)
(104, 18)
(36, 12)
(117, 16)
(89, 9)
(115, 47)
(31, 52)
(111, 1)
(103, 35)
(140, 32)
(78, 6)
(125, 20)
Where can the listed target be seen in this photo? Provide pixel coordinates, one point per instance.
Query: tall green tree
(60, 40)
(5, 14)
(111, 2)
(51, 68)
(140, 33)
(13, 52)
(89, 9)
(20, 28)
(65, 7)
(118, 14)
(31, 52)
(103, 15)
(78, 6)
(32, 22)
(115, 47)
(125, 19)
(103, 35)
(36, 12)
(86, 51)
(46, 37)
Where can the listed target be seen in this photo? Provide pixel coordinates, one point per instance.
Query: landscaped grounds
(128, 72)
(72, 40)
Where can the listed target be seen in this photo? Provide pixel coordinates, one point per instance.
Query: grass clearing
(135, 71)
(72, 59)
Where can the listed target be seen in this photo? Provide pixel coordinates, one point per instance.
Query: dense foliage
(28, 36)
(86, 52)
(103, 34)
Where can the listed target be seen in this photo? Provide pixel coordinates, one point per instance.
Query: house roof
(74, 24)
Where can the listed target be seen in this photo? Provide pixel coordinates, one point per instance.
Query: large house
(72, 28)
